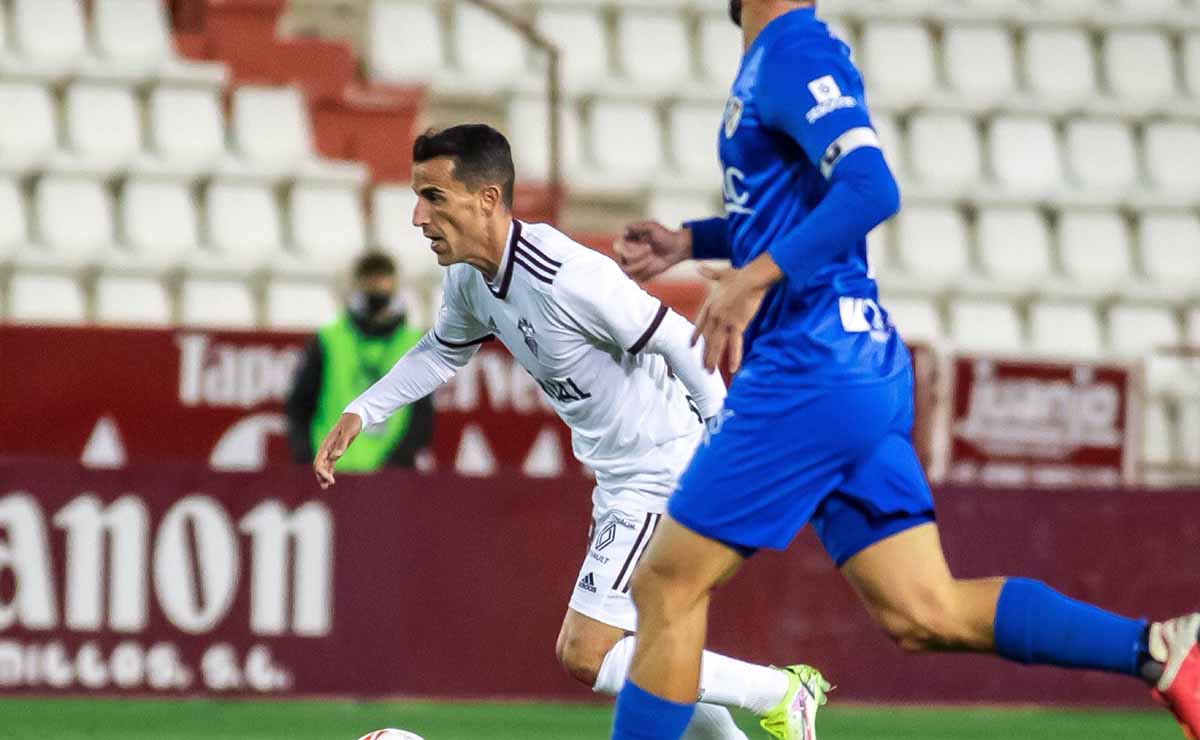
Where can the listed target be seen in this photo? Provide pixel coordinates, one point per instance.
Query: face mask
(376, 302)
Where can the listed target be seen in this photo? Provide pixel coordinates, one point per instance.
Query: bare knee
(580, 657)
(661, 591)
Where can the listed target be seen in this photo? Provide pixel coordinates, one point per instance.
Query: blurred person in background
(344, 359)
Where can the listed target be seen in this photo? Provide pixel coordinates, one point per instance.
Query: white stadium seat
(1024, 154)
(1193, 327)
(37, 298)
(50, 35)
(980, 62)
(985, 326)
(916, 319)
(693, 136)
(1138, 66)
(944, 149)
(1065, 329)
(1094, 247)
(131, 301)
(1191, 62)
(103, 124)
(673, 208)
(391, 217)
(899, 64)
(527, 121)
(270, 125)
(216, 304)
(132, 31)
(1117, 169)
(74, 217)
(932, 246)
(1014, 246)
(326, 225)
(474, 29)
(653, 50)
(243, 225)
(1158, 438)
(1139, 330)
(14, 229)
(624, 139)
(28, 128)
(1173, 156)
(160, 221)
(294, 305)
(1170, 247)
(892, 141)
(721, 51)
(1188, 430)
(581, 37)
(186, 125)
(404, 41)
(1059, 64)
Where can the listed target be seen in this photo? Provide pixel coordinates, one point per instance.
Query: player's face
(453, 218)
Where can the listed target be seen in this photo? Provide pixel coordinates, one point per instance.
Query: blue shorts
(781, 457)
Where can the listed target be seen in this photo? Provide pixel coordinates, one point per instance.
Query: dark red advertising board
(1026, 423)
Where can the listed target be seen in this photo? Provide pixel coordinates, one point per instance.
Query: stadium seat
(1014, 248)
(391, 217)
(28, 128)
(653, 50)
(50, 38)
(1064, 329)
(1094, 247)
(527, 121)
(932, 248)
(1173, 156)
(1138, 66)
(103, 125)
(216, 303)
(1170, 250)
(38, 298)
(506, 60)
(673, 208)
(1193, 327)
(74, 220)
(135, 37)
(131, 301)
(1059, 64)
(917, 320)
(1191, 62)
(980, 62)
(625, 143)
(898, 61)
(292, 305)
(187, 128)
(693, 132)
(1148, 333)
(721, 52)
(1024, 154)
(243, 227)
(404, 41)
(327, 229)
(892, 141)
(582, 38)
(1158, 436)
(985, 326)
(943, 149)
(1116, 170)
(14, 231)
(1188, 430)
(270, 126)
(880, 251)
(160, 225)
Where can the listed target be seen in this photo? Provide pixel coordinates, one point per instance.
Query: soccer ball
(391, 734)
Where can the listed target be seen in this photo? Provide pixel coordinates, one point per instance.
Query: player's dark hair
(374, 264)
(481, 156)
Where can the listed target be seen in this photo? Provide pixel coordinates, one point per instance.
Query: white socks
(723, 680)
(711, 722)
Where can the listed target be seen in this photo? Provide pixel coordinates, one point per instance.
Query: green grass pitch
(127, 719)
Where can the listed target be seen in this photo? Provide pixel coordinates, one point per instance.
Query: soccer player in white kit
(617, 366)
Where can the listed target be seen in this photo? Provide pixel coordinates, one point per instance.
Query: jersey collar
(499, 286)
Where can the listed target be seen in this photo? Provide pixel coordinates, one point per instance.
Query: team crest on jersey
(733, 116)
(527, 332)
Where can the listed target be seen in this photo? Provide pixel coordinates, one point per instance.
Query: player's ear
(491, 197)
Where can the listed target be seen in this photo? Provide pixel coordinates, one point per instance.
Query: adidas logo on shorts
(588, 583)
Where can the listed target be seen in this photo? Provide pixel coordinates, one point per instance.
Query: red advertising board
(1020, 423)
(172, 579)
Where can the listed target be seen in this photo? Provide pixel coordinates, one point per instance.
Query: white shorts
(622, 523)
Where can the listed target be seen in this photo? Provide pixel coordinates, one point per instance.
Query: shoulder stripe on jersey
(460, 345)
(519, 258)
(635, 554)
(541, 254)
(855, 138)
(507, 279)
(643, 340)
(532, 259)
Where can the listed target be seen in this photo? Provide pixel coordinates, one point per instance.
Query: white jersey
(596, 343)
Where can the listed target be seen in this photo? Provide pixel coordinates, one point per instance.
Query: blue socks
(1036, 624)
(641, 715)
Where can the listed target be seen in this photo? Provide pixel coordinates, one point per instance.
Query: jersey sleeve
(605, 304)
(816, 98)
(455, 326)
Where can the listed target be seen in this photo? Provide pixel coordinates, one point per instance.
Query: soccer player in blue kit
(816, 426)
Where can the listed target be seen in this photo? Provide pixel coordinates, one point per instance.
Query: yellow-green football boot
(795, 716)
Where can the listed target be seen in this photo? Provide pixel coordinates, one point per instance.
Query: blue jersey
(795, 111)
